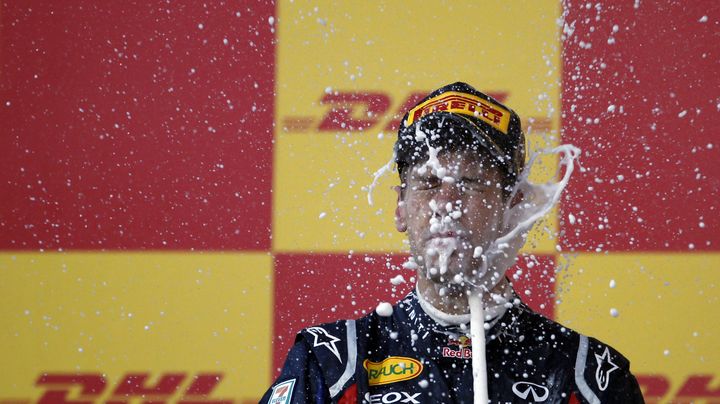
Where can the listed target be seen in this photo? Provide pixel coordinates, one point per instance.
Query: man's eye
(428, 183)
(475, 184)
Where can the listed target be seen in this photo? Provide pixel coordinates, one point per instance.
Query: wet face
(452, 217)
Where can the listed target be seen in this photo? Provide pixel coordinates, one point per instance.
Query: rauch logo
(392, 369)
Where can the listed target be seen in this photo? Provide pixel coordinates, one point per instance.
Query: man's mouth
(448, 234)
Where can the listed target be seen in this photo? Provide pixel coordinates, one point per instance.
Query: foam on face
(499, 254)
(435, 223)
(443, 247)
(432, 162)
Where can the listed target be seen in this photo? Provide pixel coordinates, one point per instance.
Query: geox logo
(391, 398)
(392, 369)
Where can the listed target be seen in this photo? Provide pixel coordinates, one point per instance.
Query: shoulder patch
(322, 338)
(282, 393)
(604, 369)
(601, 372)
(335, 347)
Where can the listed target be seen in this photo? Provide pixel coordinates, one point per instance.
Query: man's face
(451, 220)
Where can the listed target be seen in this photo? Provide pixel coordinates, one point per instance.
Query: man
(460, 154)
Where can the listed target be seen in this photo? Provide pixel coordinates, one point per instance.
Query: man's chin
(449, 281)
(455, 272)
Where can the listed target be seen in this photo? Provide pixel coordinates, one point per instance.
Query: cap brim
(442, 129)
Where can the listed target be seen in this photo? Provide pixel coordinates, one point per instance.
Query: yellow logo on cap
(465, 104)
(392, 369)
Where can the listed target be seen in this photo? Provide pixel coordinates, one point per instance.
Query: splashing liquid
(477, 335)
(388, 167)
(537, 200)
(499, 255)
(444, 247)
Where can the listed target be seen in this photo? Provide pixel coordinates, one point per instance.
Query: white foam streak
(433, 162)
(540, 197)
(388, 167)
(444, 247)
(477, 334)
(435, 167)
(537, 201)
(449, 247)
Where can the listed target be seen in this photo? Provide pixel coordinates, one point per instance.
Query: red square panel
(639, 96)
(136, 125)
(535, 283)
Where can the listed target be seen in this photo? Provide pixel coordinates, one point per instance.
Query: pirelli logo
(465, 104)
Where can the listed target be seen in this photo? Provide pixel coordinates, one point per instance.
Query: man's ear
(400, 211)
(517, 199)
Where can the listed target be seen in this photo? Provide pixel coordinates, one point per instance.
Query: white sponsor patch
(392, 397)
(282, 393)
(323, 338)
(525, 389)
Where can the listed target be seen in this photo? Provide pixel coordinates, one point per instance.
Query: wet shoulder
(600, 373)
(338, 340)
(531, 328)
(334, 345)
(331, 342)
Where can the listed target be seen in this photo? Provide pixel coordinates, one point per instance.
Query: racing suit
(410, 358)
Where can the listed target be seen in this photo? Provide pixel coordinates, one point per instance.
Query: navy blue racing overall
(409, 358)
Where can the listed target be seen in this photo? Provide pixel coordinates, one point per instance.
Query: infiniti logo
(523, 390)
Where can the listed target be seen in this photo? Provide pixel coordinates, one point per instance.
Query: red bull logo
(463, 350)
(462, 342)
(462, 353)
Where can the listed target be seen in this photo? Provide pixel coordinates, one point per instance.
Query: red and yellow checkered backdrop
(184, 184)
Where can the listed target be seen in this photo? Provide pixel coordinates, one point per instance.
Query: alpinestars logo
(604, 368)
(524, 389)
(323, 338)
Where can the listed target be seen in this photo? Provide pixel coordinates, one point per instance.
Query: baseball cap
(458, 115)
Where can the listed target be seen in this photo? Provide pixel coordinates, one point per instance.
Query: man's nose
(450, 192)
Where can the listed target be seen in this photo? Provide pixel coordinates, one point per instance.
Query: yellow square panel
(357, 50)
(666, 314)
(118, 313)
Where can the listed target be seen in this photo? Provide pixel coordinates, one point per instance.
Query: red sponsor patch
(461, 353)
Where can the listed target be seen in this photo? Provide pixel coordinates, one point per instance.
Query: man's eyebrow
(415, 173)
(424, 177)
